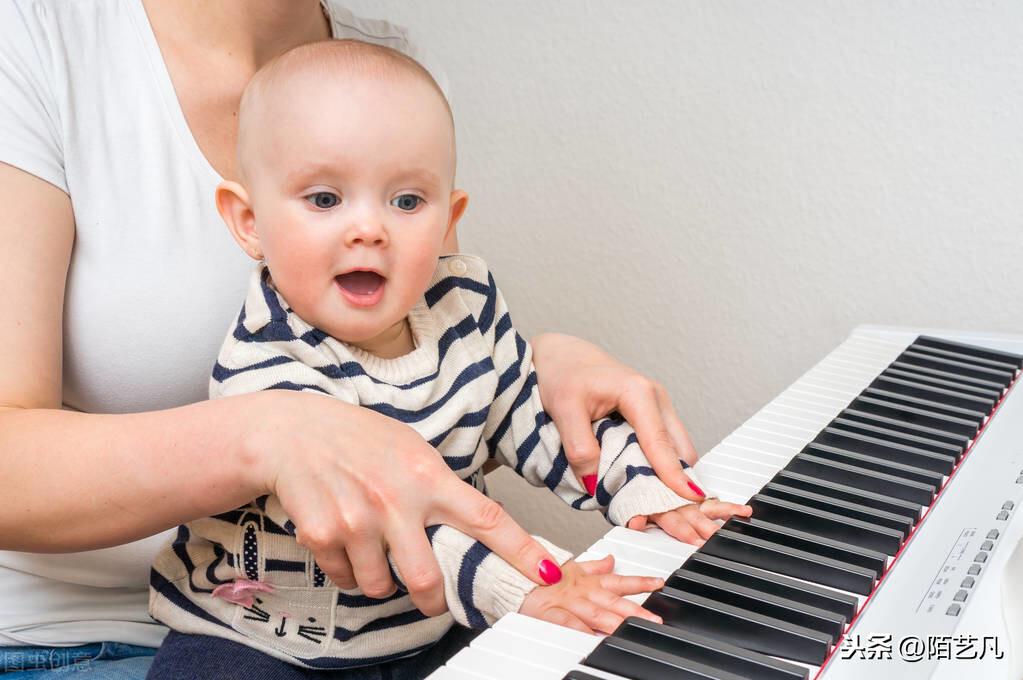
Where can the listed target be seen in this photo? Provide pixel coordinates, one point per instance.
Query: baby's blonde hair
(326, 58)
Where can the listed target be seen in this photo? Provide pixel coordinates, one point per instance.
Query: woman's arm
(75, 481)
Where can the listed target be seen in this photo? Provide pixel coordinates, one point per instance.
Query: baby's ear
(233, 206)
(459, 202)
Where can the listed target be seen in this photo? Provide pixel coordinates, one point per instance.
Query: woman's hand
(692, 523)
(356, 483)
(580, 383)
(590, 597)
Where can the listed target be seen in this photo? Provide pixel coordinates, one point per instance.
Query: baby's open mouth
(362, 288)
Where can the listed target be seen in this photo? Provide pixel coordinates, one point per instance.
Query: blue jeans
(97, 661)
(204, 657)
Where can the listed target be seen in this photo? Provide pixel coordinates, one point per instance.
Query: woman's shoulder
(347, 25)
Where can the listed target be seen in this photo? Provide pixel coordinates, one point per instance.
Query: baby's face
(352, 198)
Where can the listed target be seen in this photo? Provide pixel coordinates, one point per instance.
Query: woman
(113, 136)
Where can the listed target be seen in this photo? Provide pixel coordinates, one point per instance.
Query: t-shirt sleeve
(30, 137)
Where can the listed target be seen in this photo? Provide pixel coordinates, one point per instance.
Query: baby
(346, 160)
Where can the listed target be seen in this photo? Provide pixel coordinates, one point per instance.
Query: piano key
(751, 599)
(942, 395)
(777, 425)
(760, 446)
(855, 476)
(723, 486)
(784, 559)
(903, 523)
(899, 435)
(765, 466)
(749, 454)
(808, 542)
(653, 539)
(850, 494)
(539, 652)
(911, 358)
(811, 421)
(657, 562)
(499, 667)
(640, 662)
(579, 675)
(892, 459)
(993, 385)
(1012, 360)
(816, 521)
(974, 416)
(915, 416)
(804, 405)
(713, 653)
(991, 391)
(737, 626)
(960, 441)
(448, 673)
(774, 584)
(715, 468)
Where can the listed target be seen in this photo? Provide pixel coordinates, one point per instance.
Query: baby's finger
(594, 616)
(637, 523)
(605, 565)
(566, 619)
(676, 526)
(716, 509)
(621, 606)
(630, 585)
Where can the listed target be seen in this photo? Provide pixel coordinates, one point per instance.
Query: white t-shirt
(86, 103)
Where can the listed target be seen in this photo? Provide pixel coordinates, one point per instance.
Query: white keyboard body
(913, 598)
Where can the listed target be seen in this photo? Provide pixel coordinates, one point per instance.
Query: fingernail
(590, 482)
(696, 489)
(549, 572)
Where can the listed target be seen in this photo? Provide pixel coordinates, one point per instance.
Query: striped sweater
(470, 390)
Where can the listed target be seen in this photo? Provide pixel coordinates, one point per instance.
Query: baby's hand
(589, 597)
(692, 523)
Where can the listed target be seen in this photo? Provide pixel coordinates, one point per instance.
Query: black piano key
(850, 494)
(639, 662)
(820, 522)
(958, 440)
(911, 388)
(579, 675)
(870, 444)
(775, 584)
(955, 383)
(784, 559)
(974, 416)
(811, 543)
(983, 353)
(876, 463)
(855, 476)
(912, 415)
(993, 385)
(754, 600)
(900, 435)
(705, 650)
(902, 523)
(736, 626)
(965, 369)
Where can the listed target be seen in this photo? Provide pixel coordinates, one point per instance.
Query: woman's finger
(640, 406)
(417, 566)
(463, 507)
(678, 431)
(575, 426)
(337, 566)
(369, 564)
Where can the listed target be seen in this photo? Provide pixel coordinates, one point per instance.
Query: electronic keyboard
(885, 484)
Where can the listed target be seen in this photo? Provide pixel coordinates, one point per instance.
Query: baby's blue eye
(406, 202)
(323, 199)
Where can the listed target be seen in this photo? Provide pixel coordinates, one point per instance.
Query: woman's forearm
(75, 481)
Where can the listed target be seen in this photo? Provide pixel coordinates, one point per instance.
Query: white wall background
(719, 191)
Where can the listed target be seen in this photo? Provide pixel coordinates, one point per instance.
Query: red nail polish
(696, 489)
(590, 482)
(549, 572)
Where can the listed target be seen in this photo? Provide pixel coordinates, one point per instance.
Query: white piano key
(721, 487)
(763, 436)
(536, 650)
(846, 370)
(762, 446)
(815, 396)
(783, 425)
(653, 539)
(761, 467)
(771, 432)
(838, 381)
(656, 561)
(828, 389)
(534, 629)
(800, 402)
(808, 419)
(509, 666)
(449, 673)
(739, 475)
